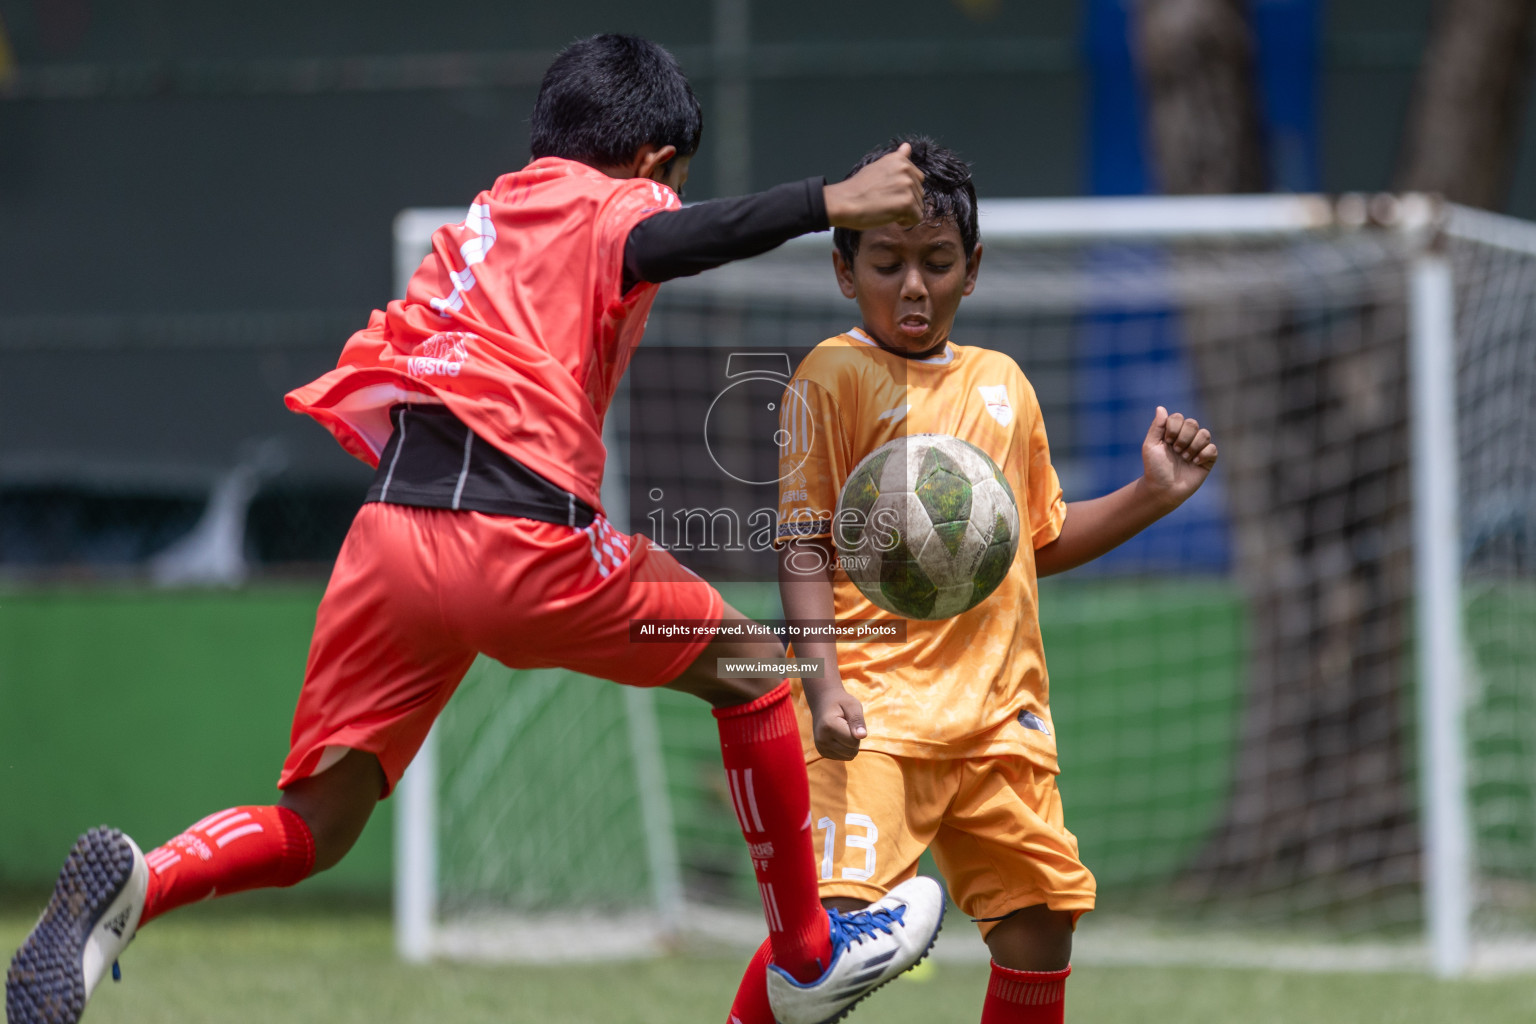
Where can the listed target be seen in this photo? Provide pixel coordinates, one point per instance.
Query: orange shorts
(417, 593)
(994, 823)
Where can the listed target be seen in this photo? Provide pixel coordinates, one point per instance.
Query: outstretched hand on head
(1177, 455)
(888, 190)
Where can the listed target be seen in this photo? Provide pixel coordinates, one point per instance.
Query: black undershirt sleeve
(679, 243)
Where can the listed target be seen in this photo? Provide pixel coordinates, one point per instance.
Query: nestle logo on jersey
(421, 367)
(442, 355)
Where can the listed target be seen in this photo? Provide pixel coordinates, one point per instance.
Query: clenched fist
(1176, 456)
(888, 190)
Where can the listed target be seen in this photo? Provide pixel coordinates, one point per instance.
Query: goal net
(1298, 714)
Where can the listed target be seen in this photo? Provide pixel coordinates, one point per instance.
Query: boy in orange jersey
(944, 741)
(480, 399)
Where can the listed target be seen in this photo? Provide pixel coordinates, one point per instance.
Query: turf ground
(1146, 688)
(1121, 661)
(213, 964)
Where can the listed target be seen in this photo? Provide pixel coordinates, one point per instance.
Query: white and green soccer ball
(926, 526)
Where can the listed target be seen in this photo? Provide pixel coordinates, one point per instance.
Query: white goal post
(1422, 226)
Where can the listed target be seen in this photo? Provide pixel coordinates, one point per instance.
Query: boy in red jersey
(480, 398)
(945, 741)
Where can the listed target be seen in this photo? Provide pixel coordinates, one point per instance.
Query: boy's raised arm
(679, 243)
(1177, 456)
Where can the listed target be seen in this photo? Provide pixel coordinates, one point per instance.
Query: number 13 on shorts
(851, 841)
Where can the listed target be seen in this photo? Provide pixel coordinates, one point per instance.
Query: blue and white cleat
(869, 948)
(95, 910)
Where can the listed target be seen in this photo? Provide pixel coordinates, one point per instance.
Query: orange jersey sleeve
(1042, 501)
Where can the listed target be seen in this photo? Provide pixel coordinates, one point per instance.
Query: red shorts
(417, 593)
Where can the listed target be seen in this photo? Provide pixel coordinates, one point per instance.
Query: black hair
(948, 193)
(606, 96)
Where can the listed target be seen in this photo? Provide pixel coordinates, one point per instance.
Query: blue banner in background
(1288, 33)
(1117, 160)
(1131, 361)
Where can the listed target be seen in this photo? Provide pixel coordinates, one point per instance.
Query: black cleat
(94, 913)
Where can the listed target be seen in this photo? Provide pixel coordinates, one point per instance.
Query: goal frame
(1425, 223)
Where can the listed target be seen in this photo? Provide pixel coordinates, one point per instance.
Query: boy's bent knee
(336, 804)
(705, 678)
(1034, 938)
(735, 692)
(721, 690)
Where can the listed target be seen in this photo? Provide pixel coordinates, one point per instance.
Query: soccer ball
(926, 526)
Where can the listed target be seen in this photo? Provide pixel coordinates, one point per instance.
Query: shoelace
(858, 925)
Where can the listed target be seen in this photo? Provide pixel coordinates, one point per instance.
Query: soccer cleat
(869, 948)
(95, 910)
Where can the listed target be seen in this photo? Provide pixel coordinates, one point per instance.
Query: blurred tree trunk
(1312, 427)
(1463, 129)
(1196, 62)
(1313, 433)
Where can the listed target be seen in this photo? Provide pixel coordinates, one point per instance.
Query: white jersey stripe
(389, 477)
(458, 490)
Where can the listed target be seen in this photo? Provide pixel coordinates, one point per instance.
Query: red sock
(751, 1005)
(232, 851)
(1025, 997)
(765, 771)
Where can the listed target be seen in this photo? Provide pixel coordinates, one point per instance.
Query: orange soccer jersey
(974, 685)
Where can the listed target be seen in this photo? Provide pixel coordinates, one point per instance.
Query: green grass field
(179, 703)
(1147, 692)
(216, 964)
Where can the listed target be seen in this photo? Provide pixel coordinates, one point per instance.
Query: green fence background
(149, 709)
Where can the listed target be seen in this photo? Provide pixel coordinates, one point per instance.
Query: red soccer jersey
(517, 322)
